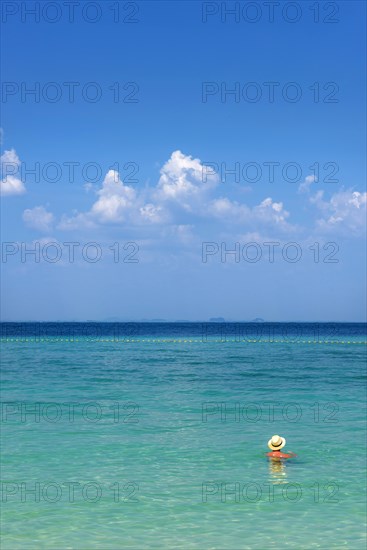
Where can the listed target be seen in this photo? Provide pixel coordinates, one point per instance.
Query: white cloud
(225, 208)
(184, 180)
(180, 182)
(79, 220)
(317, 199)
(304, 187)
(179, 194)
(10, 184)
(268, 212)
(115, 200)
(117, 203)
(153, 214)
(345, 211)
(38, 218)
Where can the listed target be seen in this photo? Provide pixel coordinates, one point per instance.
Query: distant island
(145, 320)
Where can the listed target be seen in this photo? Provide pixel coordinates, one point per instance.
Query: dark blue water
(287, 332)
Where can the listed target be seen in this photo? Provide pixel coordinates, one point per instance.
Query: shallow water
(153, 436)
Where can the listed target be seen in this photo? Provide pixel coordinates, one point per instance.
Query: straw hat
(276, 443)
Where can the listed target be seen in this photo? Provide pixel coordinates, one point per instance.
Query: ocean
(153, 435)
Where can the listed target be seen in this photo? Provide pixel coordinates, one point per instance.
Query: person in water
(275, 444)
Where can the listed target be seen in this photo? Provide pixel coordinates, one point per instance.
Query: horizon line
(156, 321)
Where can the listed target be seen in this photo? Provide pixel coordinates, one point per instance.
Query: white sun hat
(276, 443)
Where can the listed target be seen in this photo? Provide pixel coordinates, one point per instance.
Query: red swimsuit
(278, 454)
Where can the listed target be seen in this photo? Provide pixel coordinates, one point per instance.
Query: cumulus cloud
(304, 187)
(224, 208)
(271, 211)
(10, 183)
(180, 185)
(185, 191)
(268, 212)
(115, 200)
(153, 214)
(79, 220)
(344, 212)
(115, 204)
(38, 218)
(184, 180)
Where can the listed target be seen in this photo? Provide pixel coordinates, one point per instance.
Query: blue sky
(155, 152)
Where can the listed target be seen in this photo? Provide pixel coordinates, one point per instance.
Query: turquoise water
(162, 429)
